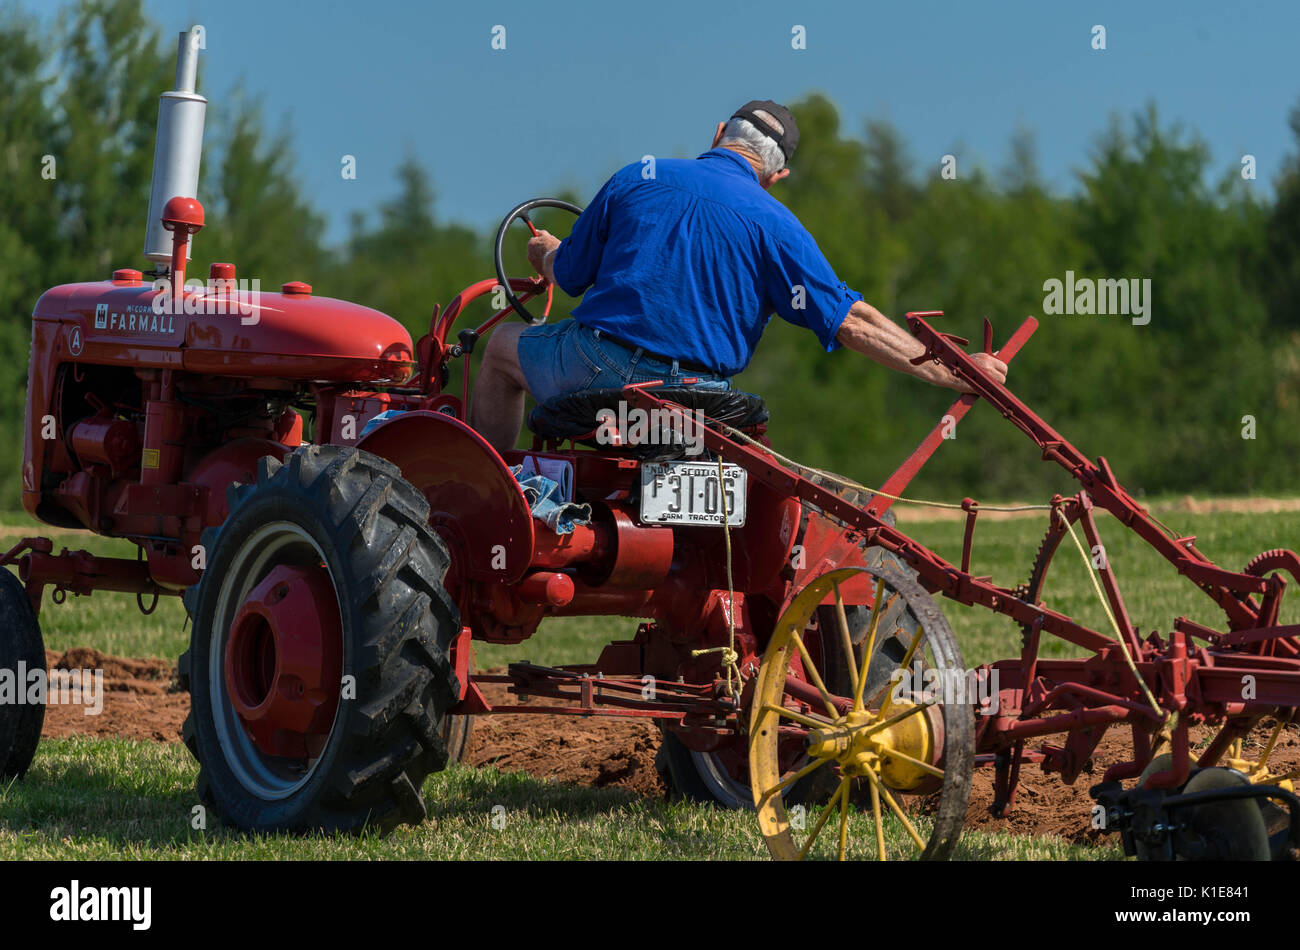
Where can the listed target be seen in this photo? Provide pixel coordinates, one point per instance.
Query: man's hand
(991, 365)
(541, 248)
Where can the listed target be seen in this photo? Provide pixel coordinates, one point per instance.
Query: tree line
(1202, 397)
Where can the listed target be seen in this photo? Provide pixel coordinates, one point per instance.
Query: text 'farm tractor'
(295, 468)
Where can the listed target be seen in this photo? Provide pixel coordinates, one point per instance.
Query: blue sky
(584, 87)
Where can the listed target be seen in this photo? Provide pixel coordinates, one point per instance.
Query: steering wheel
(521, 211)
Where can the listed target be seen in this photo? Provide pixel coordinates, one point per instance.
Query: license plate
(690, 493)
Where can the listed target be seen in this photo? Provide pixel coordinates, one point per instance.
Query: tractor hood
(290, 335)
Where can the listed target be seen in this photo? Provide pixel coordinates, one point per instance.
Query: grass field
(118, 799)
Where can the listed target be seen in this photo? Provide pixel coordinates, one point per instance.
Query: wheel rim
(893, 743)
(726, 789)
(275, 660)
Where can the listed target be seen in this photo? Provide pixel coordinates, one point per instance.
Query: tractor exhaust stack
(177, 149)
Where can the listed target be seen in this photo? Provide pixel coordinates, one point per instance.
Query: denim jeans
(567, 357)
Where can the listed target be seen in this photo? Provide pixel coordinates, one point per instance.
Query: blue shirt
(691, 261)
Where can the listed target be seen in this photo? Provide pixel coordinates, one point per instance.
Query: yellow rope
(858, 486)
(730, 657)
(1105, 605)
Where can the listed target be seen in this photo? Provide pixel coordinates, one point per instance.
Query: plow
(302, 473)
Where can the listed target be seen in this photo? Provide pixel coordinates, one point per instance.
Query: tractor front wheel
(318, 665)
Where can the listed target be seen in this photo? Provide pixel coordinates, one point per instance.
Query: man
(683, 262)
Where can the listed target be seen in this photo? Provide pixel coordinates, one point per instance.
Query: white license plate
(690, 493)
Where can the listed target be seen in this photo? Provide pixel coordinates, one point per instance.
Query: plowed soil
(142, 701)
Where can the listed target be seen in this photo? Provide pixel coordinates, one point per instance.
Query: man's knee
(502, 345)
(502, 354)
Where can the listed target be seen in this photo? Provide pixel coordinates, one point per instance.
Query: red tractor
(295, 468)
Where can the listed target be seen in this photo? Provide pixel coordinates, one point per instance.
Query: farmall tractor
(298, 472)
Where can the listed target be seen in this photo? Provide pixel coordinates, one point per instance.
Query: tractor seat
(579, 415)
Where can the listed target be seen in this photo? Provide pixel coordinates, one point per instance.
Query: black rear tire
(370, 529)
(22, 649)
(702, 778)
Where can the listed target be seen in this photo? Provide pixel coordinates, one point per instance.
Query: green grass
(113, 799)
(119, 799)
(108, 622)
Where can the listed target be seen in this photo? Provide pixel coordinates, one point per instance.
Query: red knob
(185, 214)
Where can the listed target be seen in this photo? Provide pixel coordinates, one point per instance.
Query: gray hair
(745, 134)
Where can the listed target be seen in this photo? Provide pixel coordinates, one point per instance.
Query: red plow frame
(1196, 674)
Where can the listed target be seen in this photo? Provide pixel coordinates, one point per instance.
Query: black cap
(788, 139)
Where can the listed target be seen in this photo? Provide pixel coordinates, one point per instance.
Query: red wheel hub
(284, 661)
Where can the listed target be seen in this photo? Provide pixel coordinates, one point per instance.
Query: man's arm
(873, 334)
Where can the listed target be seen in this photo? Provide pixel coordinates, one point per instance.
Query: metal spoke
(868, 703)
(813, 676)
(844, 818)
(893, 805)
(791, 779)
(923, 766)
(809, 721)
(907, 657)
(826, 813)
(880, 826)
(886, 723)
(876, 611)
(846, 640)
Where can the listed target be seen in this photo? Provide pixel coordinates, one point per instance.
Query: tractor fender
(474, 501)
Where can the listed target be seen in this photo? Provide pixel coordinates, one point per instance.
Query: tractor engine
(136, 421)
(148, 395)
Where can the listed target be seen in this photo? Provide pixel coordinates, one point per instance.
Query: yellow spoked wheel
(895, 739)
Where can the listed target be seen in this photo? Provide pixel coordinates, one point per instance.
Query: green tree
(85, 93)
(257, 217)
